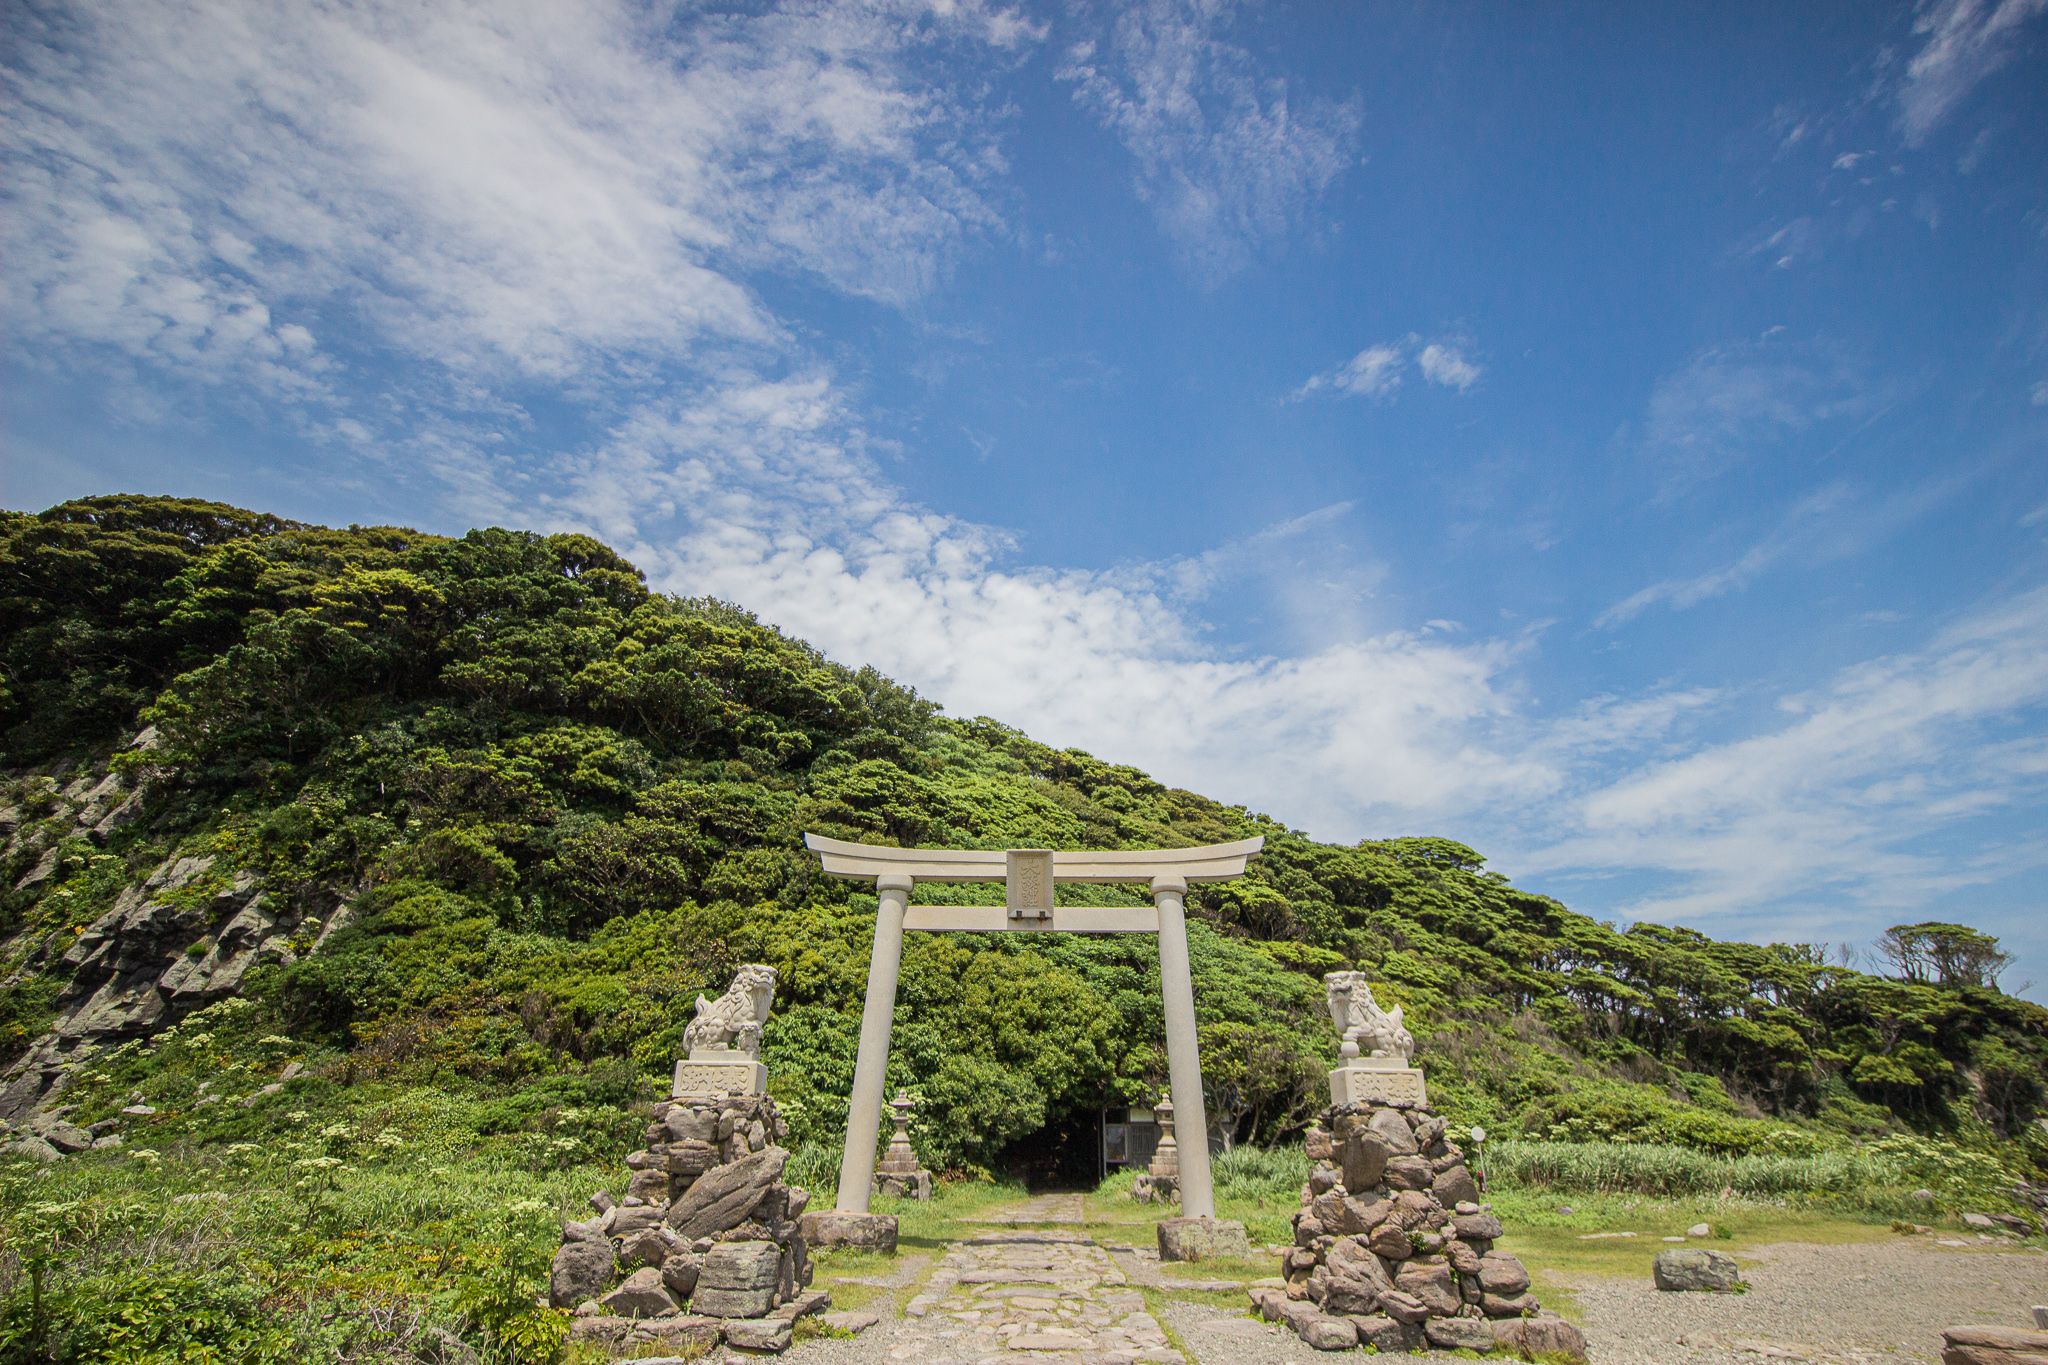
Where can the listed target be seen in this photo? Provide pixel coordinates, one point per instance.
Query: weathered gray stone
(1201, 1239)
(1403, 1307)
(1387, 1336)
(1362, 1156)
(580, 1270)
(741, 1265)
(679, 1273)
(864, 1231)
(1394, 1130)
(1507, 1305)
(1390, 1241)
(34, 1148)
(1408, 1173)
(1696, 1269)
(1459, 1334)
(1993, 1346)
(641, 1296)
(690, 1335)
(1356, 1278)
(1500, 1273)
(723, 1197)
(855, 1323)
(1455, 1185)
(1477, 1227)
(1540, 1338)
(649, 1247)
(1323, 1332)
(733, 1303)
(1430, 1283)
(761, 1334)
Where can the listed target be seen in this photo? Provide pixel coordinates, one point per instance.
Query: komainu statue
(1374, 1031)
(732, 1022)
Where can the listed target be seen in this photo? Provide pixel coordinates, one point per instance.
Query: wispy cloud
(1229, 159)
(1963, 42)
(1727, 404)
(502, 192)
(1377, 371)
(1832, 523)
(1832, 804)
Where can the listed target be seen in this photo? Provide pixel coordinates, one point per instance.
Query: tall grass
(1659, 1169)
(1267, 1174)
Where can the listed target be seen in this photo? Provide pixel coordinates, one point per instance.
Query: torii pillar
(1028, 877)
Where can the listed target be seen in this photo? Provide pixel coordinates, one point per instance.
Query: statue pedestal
(708, 1072)
(1377, 1080)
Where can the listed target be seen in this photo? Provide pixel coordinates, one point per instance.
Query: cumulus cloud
(768, 492)
(1228, 158)
(1376, 371)
(1963, 41)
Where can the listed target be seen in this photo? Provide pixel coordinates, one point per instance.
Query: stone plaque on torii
(1028, 877)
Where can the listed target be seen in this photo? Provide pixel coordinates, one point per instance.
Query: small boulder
(679, 1273)
(1201, 1239)
(759, 1334)
(580, 1270)
(1993, 1346)
(1459, 1334)
(641, 1296)
(1394, 1129)
(1540, 1338)
(1431, 1284)
(1979, 1220)
(1694, 1269)
(1363, 1155)
(1388, 1336)
(1500, 1273)
(1408, 1173)
(862, 1231)
(852, 1323)
(1700, 1230)
(1454, 1185)
(1402, 1307)
(1477, 1227)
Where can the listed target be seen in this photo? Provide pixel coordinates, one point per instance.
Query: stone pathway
(1036, 1212)
(1013, 1296)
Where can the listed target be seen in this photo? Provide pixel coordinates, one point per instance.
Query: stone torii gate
(1028, 877)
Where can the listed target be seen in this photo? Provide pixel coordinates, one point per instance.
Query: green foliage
(558, 807)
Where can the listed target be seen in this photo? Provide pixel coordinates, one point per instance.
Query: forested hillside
(485, 814)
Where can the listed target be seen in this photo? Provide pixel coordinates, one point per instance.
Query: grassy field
(367, 1222)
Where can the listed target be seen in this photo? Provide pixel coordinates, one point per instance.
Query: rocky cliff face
(182, 937)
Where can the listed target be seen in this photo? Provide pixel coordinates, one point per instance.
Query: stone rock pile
(1393, 1250)
(705, 1246)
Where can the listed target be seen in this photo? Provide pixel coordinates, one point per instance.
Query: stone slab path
(1036, 1212)
(1030, 1292)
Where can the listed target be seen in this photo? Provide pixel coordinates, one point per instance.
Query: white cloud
(1830, 524)
(1729, 403)
(1830, 805)
(767, 493)
(1228, 158)
(497, 189)
(1447, 366)
(1376, 371)
(1849, 161)
(1965, 41)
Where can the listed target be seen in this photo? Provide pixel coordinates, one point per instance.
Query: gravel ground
(1871, 1303)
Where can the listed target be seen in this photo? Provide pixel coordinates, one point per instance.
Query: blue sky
(1610, 435)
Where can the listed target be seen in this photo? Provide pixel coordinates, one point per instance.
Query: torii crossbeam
(1028, 877)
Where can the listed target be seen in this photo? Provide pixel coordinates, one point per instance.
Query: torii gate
(1028, 877)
